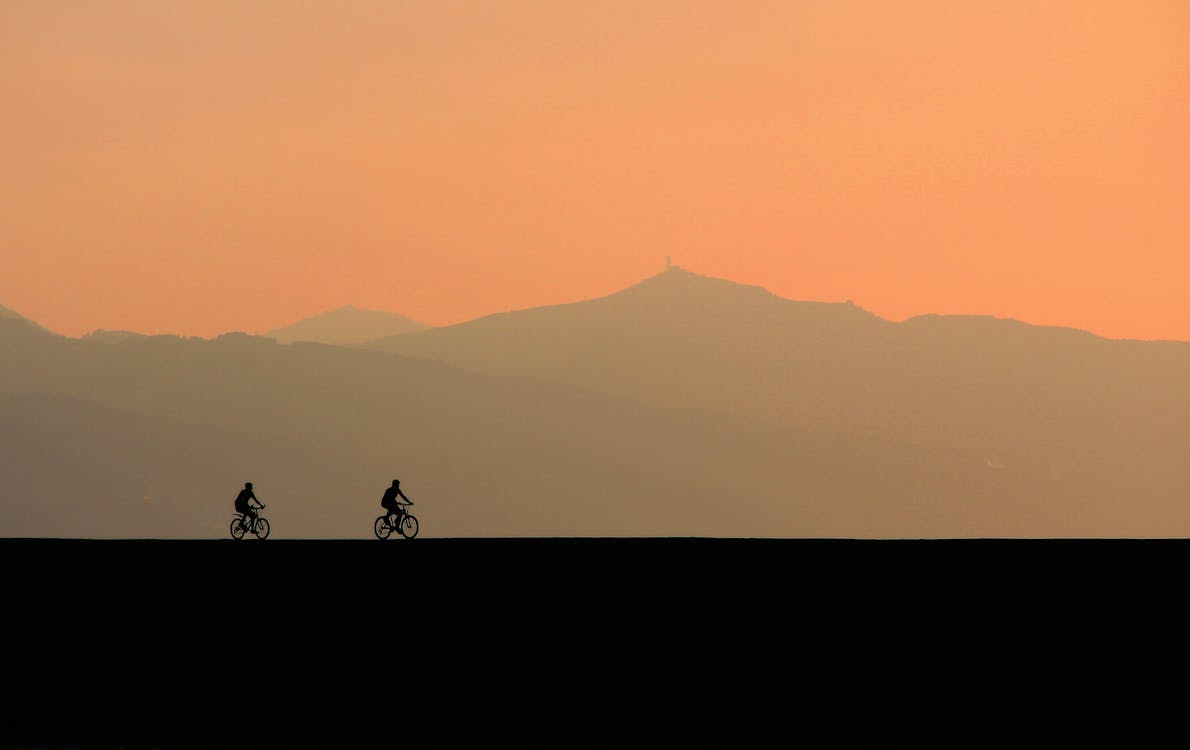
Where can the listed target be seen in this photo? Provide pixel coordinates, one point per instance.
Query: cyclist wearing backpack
(244, 505)
(389, 501)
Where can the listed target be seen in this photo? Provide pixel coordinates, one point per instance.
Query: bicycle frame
(255, 519)
(393, 521)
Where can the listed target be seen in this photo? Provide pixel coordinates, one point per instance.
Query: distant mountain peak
(682, 280)
(346, 325)
(681, 287)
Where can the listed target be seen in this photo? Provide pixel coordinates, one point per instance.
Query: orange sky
(202, 167)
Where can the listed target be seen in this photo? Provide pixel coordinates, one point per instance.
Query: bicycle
(259, 526)
(405, 523)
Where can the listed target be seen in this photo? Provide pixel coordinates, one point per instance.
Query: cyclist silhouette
(389, 502)
(244, 504)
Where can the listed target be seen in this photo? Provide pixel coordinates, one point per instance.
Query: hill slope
(345, 326)
(7, 314)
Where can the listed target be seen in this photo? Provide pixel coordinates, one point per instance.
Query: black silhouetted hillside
(358, 643)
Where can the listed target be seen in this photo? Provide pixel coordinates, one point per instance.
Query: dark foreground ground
(144, 643)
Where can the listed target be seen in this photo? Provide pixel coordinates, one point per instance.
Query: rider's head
(396, 483)
(247, 485)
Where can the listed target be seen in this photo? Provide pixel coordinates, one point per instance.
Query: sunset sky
(202, 167)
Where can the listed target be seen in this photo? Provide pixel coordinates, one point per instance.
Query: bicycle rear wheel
(237, 528)
(382, 528)
(408, 526)
(262, 529)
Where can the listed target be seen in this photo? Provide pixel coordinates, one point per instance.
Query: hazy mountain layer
(345, 326)
(323, 429)
(1054, 401)
(694, 407)
(77, 469)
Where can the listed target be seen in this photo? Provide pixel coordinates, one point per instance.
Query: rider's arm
(402, 494)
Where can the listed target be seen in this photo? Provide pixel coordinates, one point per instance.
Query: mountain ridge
(686, 406)
(1012, 392)
(344, 326)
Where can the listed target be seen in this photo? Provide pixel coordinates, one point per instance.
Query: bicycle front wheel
(237, 528)
(408, 526)
(382, 528)
(262, 529)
